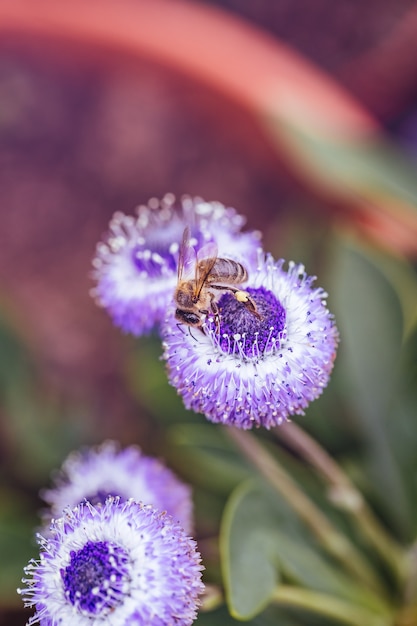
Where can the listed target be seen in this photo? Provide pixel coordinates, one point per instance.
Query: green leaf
(403, 279)
(272, 616)
(401, 425)
(371, 168)
(261, 534)
(247, 544)
(369, 317)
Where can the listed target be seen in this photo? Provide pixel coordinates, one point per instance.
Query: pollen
(242, 296)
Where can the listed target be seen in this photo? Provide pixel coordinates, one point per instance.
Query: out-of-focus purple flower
(95, 473)
(135, 267)
(118, 564)
(249, 370)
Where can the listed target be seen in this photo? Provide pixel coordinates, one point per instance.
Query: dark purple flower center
(245, 333)
(155, 258)
(95, 579)
(153, 262)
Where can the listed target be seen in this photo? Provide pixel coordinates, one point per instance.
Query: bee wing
(208, 251)
(187, 259)
(206, 258)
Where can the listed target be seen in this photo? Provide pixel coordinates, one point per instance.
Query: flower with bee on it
(116, 564)
(95, 473)
(135, 267)
(250, 370)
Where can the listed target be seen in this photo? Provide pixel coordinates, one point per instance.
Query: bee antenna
(189, 330)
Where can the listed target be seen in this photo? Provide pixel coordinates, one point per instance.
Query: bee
(200, 276)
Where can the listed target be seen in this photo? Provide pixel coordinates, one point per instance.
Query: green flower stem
(328, 606)
(344, 494)
(331, 539)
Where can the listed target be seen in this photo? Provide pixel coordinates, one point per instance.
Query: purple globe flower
(251, 368)
(120, 564)
(96, 473)
(136, 266)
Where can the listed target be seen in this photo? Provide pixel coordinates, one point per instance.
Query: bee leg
(244, 297)
(190, 333)
(180, 327)
(241, 296)
(215, 312)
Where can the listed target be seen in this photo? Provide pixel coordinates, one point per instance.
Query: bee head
(188, 317)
